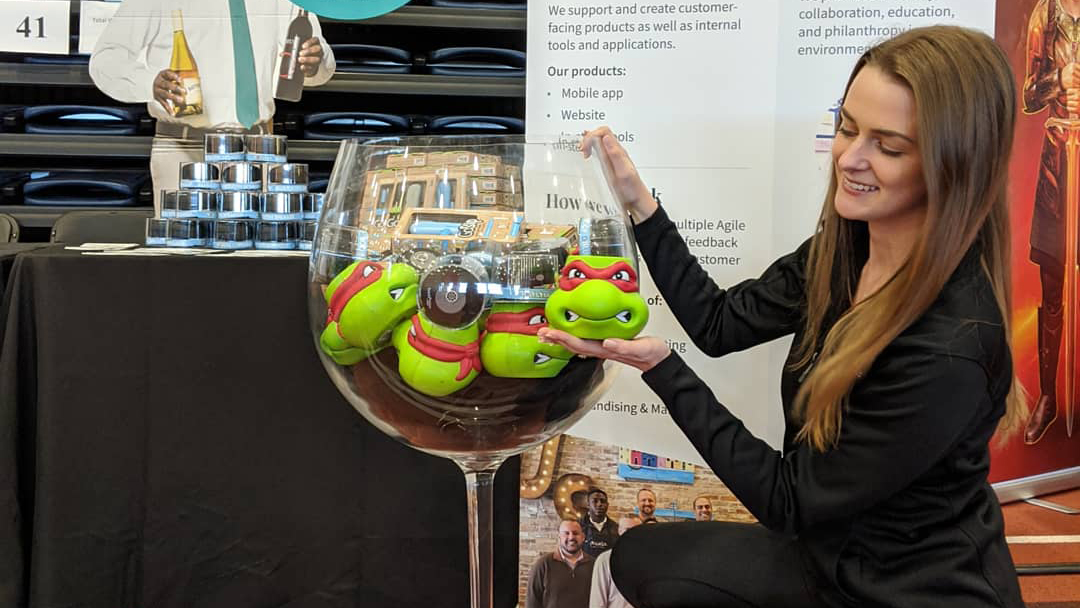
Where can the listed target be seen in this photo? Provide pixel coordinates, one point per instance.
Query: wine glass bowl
(435, 263)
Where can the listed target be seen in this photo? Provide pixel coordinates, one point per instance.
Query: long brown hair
(965, 111)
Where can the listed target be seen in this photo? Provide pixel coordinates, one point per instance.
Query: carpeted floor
(1039, 536)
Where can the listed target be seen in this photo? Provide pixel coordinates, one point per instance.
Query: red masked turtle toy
(597, 298)
(365, 302)
(510, 348)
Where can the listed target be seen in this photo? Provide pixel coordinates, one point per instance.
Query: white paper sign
(35, 26)
(93, 17)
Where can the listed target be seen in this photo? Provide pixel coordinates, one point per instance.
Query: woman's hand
(632, 192)
(643, 353)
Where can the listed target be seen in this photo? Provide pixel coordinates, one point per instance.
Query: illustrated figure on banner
(204, 66)
(1052, 84)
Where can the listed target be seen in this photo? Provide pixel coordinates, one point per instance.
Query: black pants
(710, 564)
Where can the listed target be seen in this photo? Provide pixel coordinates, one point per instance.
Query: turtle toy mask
(436, 360)
(365, 302)
(597, 298)
(510, 348)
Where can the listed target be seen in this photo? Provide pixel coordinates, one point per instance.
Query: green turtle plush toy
(365, 302)
(436, 360)
(510, 348)
(597, 298)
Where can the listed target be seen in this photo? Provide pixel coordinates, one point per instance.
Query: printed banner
(735, 145)
(728, 110)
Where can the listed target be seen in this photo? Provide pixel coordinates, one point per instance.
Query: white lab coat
(137, 45)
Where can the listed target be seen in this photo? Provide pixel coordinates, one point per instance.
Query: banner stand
(1026, 488)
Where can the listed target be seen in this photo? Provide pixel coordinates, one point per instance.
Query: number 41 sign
(35, 26)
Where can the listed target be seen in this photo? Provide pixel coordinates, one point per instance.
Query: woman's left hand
(643, 353)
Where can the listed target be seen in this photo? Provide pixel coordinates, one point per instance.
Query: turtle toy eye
(537, 320)
(575, 274)
(622, 275)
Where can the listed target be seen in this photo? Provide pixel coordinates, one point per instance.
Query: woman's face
(876, 155)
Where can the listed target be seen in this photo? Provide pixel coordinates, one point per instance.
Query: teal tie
(247, 93)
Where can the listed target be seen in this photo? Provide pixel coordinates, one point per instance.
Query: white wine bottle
(183, 63)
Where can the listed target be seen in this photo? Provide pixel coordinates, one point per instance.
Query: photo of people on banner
(579, 496)
(205, 66)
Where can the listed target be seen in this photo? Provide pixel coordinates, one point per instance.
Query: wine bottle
(183, 64)
(290, 77)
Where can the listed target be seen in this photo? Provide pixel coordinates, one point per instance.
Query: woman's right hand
(634, 195)
(168, 89)
(643, 352)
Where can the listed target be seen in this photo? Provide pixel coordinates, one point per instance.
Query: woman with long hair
(899, 375)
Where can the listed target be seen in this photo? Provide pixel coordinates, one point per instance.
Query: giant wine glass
(435, 262)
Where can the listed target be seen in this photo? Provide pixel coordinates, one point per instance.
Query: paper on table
(136, 252)
(111, 249)
(102, 246)
(270, 253)
(182, 250)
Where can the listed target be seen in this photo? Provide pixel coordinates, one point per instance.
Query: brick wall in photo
(540, 523)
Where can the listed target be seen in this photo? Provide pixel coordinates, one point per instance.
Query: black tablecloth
(168, 438)
(8, 252)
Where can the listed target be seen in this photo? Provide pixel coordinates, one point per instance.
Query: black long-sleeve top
(900, 512)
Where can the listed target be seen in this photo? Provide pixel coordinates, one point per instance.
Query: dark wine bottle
(290, 77)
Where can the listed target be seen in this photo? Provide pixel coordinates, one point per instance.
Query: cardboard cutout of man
(236, 45)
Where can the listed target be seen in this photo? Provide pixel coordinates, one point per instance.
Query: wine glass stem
(479, 487)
